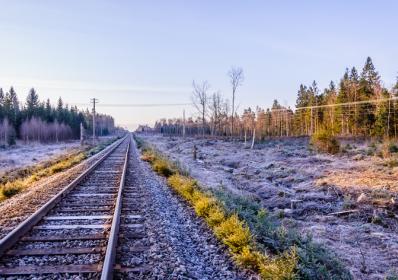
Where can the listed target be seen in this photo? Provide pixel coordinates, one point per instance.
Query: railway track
(75, 234)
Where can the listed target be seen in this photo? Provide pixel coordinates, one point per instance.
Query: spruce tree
(32, 103)
(1, 104)
(11, 105)
(60, 110)
(369, 89)
(48, 111)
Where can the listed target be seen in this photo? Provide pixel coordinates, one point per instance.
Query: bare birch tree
(216, 111)
(236, 80)
(200, 100)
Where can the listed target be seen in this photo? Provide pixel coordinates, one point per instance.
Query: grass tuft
(233, 233)
(11, 189)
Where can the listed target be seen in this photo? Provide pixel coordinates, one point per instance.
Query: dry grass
(158, 163)
(13, 187)
(30, 175)
(228, 228)
(233, 232)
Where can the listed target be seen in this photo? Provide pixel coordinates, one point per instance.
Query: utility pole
(94, 101)
(183, 124)
(81, 134)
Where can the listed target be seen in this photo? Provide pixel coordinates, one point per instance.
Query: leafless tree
(216, 112)
(35, 129)
(200, 100)
(6, 130)
(236, 80)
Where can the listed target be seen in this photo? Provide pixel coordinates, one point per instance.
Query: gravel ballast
(180, 245)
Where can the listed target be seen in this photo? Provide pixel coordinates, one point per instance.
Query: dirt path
(181, 246)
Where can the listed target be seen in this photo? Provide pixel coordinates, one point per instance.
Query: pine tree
(302, 115)
(60, 111)
(1, 104)
(369, 89)
(11, 106)
(32, 103)
(48, 111)
(369, 73)
(330, 97)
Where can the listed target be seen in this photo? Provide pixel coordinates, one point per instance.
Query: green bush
(325, 142)
(392, 148)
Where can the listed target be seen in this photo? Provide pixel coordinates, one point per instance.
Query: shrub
(324, 141)
(283, 267)
(392, 275)
(216, 216)
(233, 233)
(313, 259)
(393, 148)
(11, 189)
(391, 163)
(204, 205)
(250, 258)
(148, 156)
(162, 167)
(182, 185)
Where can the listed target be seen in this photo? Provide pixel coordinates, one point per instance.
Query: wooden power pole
(183, 124)
(94, 101)
(81, 134)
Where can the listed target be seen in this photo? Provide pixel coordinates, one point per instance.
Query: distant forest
(358, 106)
(39, 121)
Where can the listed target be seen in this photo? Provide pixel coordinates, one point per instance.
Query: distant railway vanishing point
(77, 232)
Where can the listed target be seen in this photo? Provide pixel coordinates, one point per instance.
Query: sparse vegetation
(256, 239)
(233, 231)
(158, 163)
(18, 181)
(324, 141)
(270, 235)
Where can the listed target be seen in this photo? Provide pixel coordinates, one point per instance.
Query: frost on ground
(181, 246)
(347, 202)
(25, 155)
(19, 207)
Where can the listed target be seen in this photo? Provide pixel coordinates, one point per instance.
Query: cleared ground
(23, 155)
(347, 202)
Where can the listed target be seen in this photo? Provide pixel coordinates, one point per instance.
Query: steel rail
(12, 237)
(110, 254)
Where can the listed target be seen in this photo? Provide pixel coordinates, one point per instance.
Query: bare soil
(348, 202)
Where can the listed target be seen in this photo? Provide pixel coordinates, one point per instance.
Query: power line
(135, 105)
(348, 103)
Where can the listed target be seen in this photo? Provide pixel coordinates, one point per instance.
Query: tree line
(36, 120)
(358, 106)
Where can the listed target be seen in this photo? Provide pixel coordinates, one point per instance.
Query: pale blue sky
(150, 51)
